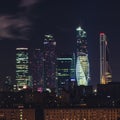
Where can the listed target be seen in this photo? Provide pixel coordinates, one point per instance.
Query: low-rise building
(82, 114)
(17, 114)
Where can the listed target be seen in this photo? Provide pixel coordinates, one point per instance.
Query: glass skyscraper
(36, 69)
(49, 62)
(63, 72)
(23, 79)
(82, 62)
(105, 68)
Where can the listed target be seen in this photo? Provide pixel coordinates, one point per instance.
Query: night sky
(28, 20)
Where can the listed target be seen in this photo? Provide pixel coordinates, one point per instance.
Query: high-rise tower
(23, 78)
(82, 62)
(36, 69)
(64, 72)
(49, 62)
(105, 70)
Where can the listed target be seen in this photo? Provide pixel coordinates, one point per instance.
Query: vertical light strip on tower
(73, 69)
(82, 62)
(102, 58)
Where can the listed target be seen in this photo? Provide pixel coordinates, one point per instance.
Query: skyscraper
(49, 62)
(63, 72)
(23, 78)
(82, 62)
(105, 70)
(36, 69)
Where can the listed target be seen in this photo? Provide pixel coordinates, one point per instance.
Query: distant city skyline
(29, 20)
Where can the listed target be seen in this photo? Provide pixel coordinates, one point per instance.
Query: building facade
(105, 70)
(82, 114)
(23, 79)
(82, 62)
(36, 69)
(63, 72)
(17, 114)
(49, 62)
(73, 70)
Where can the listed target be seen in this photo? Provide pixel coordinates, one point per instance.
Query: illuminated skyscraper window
(22, 75)
(63, 72)
(82, 62)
